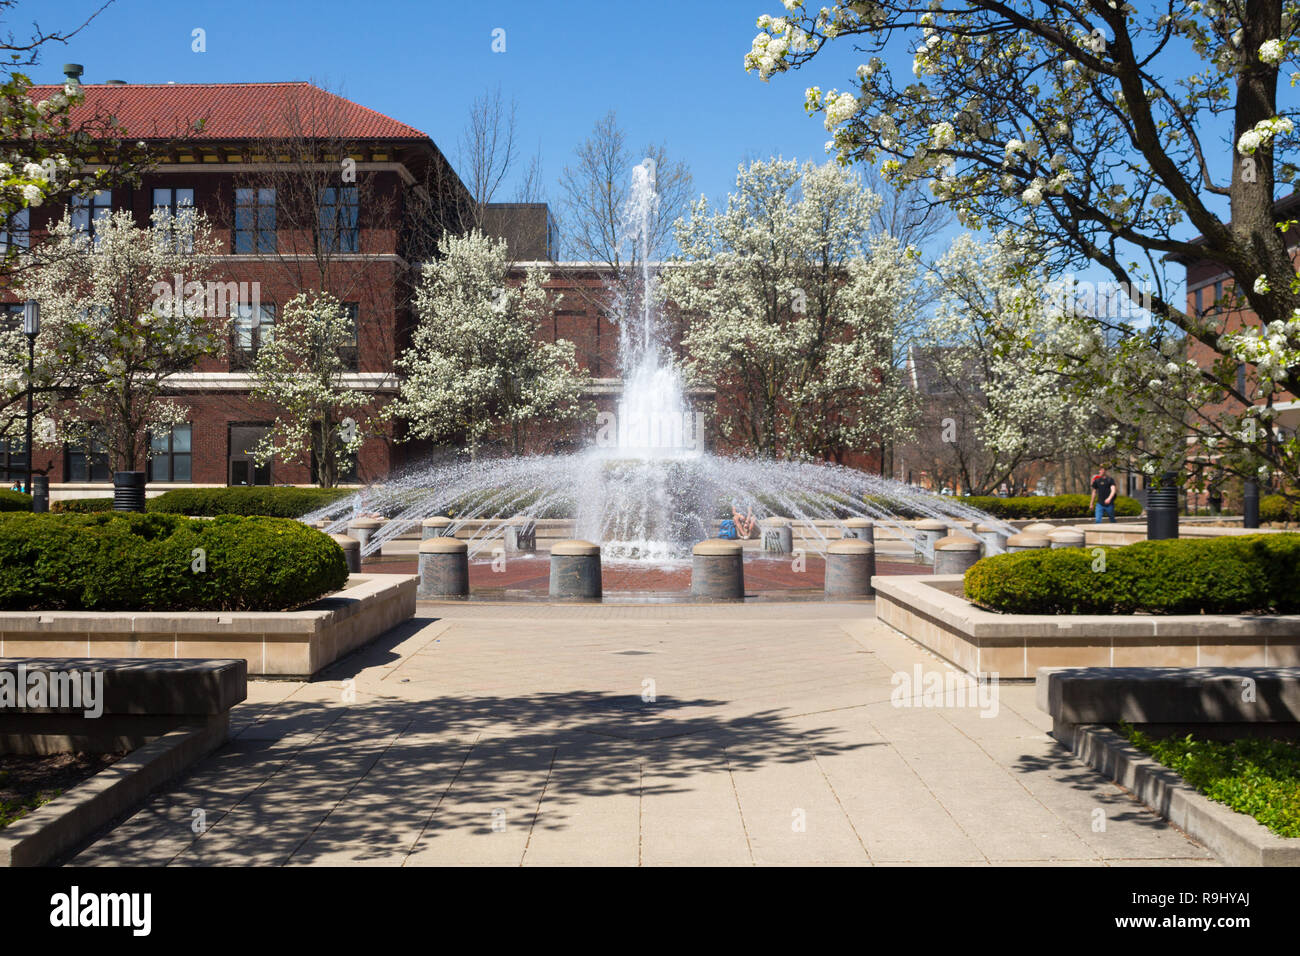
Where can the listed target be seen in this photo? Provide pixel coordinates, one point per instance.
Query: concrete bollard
(778, 535)
(995, 541)
(435, 527)
(521, 534)
(958, 528)
(575, 570)
(955, 554)
(351, 551)
(363, 529)
(718, 570)
(444, 568)
(864, 529)
(1066, 538)
(1038, 527)
(1027, 542)
(929, 532)
(850, 566)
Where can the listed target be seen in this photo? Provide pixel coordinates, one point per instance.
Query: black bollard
(1162, 508)
(128, 491)
(1250, 505)
(40, 494)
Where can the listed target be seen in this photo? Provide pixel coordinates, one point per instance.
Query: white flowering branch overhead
(1095, 130)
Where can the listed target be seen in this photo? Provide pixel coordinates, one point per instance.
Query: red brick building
(266, 163)
(1211, 292)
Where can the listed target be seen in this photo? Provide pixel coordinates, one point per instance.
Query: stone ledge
(1170, 695)
(1236, 839)
(281, 644)
(926, 610)
(41, 837)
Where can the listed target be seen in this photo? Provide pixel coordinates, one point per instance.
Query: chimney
(73, 72)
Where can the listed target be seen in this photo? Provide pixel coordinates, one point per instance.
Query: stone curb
(42, 836)
(1234, 838)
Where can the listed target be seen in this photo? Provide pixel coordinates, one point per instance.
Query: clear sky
(672, 70)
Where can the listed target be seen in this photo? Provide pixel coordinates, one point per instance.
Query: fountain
(647, 490)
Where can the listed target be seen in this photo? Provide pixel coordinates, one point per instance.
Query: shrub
(1276, 508)
(14, 501)
(1255, 776)
(1048, 506)
(81, 506)
(122, 561)
(1229, 575)
(267, 502)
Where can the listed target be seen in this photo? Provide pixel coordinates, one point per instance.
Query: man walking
(1103, 495)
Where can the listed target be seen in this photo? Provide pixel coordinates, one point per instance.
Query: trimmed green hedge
(81, 506)
(14, 501)
(134, 562)
(1276, 508)
(1240, 574)
(267, 502)
(1048, 506)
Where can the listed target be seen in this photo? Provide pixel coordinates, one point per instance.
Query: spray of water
(649, 491)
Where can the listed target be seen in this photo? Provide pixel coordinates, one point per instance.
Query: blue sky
(672, 70)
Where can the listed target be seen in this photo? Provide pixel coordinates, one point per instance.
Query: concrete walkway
(540, 734)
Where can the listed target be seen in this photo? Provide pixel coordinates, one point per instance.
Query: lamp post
(31, 329)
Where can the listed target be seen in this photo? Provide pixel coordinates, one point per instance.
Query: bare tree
(487, 151)
(595, 191)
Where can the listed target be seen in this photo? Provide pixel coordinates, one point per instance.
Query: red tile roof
(232, 111)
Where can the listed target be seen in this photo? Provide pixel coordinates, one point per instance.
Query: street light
(31, 329)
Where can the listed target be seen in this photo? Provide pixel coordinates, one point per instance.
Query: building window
(249, 331)
(13, 461)
(176, 206)
(11, 317)
(1197, 305)
(86, 461)
(350, 353)
(254, 220)
(17, 231)
(88, 211)
(338, 218)
(244, 469)
(170, 454)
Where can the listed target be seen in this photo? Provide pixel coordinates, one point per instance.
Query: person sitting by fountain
(746, 524)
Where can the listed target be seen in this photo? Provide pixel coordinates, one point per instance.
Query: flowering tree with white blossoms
(303, 372)
(475, 368)
(792, 303)
(1108, 134)
(113, 329)
(1000, 403)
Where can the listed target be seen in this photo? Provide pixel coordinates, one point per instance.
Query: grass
(12, 811)
(1256, 776)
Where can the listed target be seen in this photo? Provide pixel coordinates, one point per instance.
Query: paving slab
(551, 735)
